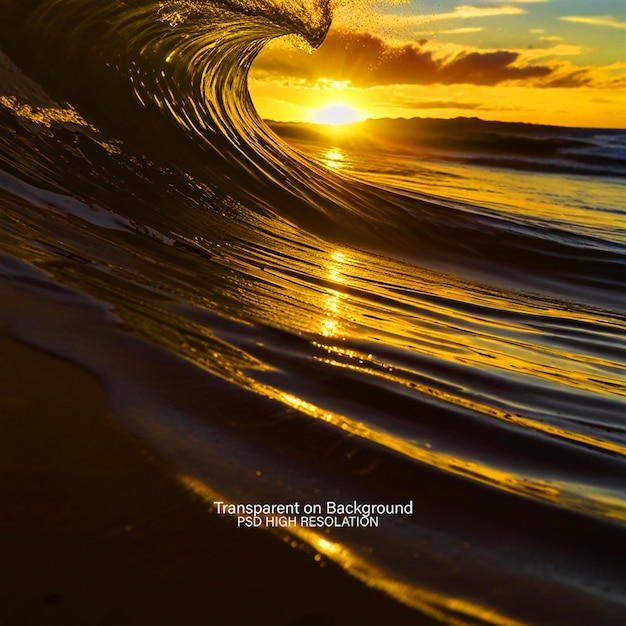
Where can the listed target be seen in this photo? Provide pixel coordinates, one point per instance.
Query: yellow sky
(539, 61)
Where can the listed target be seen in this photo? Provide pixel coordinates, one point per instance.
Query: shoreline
(96, 530)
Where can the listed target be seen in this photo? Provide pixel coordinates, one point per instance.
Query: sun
(336, 114)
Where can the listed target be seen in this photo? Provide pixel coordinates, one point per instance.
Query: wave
(181, 70)
(278, 331)
(526, 147)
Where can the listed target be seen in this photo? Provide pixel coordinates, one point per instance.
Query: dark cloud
(572, 78)
(366, 60)
(488, 68)
(420, 103)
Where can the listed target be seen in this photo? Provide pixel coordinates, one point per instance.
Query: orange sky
(542, 61)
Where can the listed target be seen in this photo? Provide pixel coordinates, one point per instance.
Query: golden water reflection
(383, 323)
(334, 157)
(333, 303)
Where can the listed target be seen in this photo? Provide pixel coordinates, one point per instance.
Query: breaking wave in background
(280, 331)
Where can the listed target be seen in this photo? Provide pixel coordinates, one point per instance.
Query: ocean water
(285, 315)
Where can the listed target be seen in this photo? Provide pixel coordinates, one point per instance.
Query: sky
(539, 61)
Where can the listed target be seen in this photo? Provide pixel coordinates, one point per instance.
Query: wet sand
(95, 531)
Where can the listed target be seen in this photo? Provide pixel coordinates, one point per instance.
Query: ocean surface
(421, 311)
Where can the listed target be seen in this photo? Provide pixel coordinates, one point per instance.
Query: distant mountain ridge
(542, 147)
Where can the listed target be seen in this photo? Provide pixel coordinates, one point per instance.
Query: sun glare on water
(336, 115)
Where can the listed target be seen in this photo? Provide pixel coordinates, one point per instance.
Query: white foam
(63, 204)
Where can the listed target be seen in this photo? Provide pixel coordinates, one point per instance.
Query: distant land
(504, 144)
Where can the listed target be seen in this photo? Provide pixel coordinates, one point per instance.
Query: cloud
(395, 21)
(558, 50)
(424, 105)
(464, 12)
(597, 20)
(567, 77)
(417, 103)
(462, 31)
(488, 68)
(366, 60)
